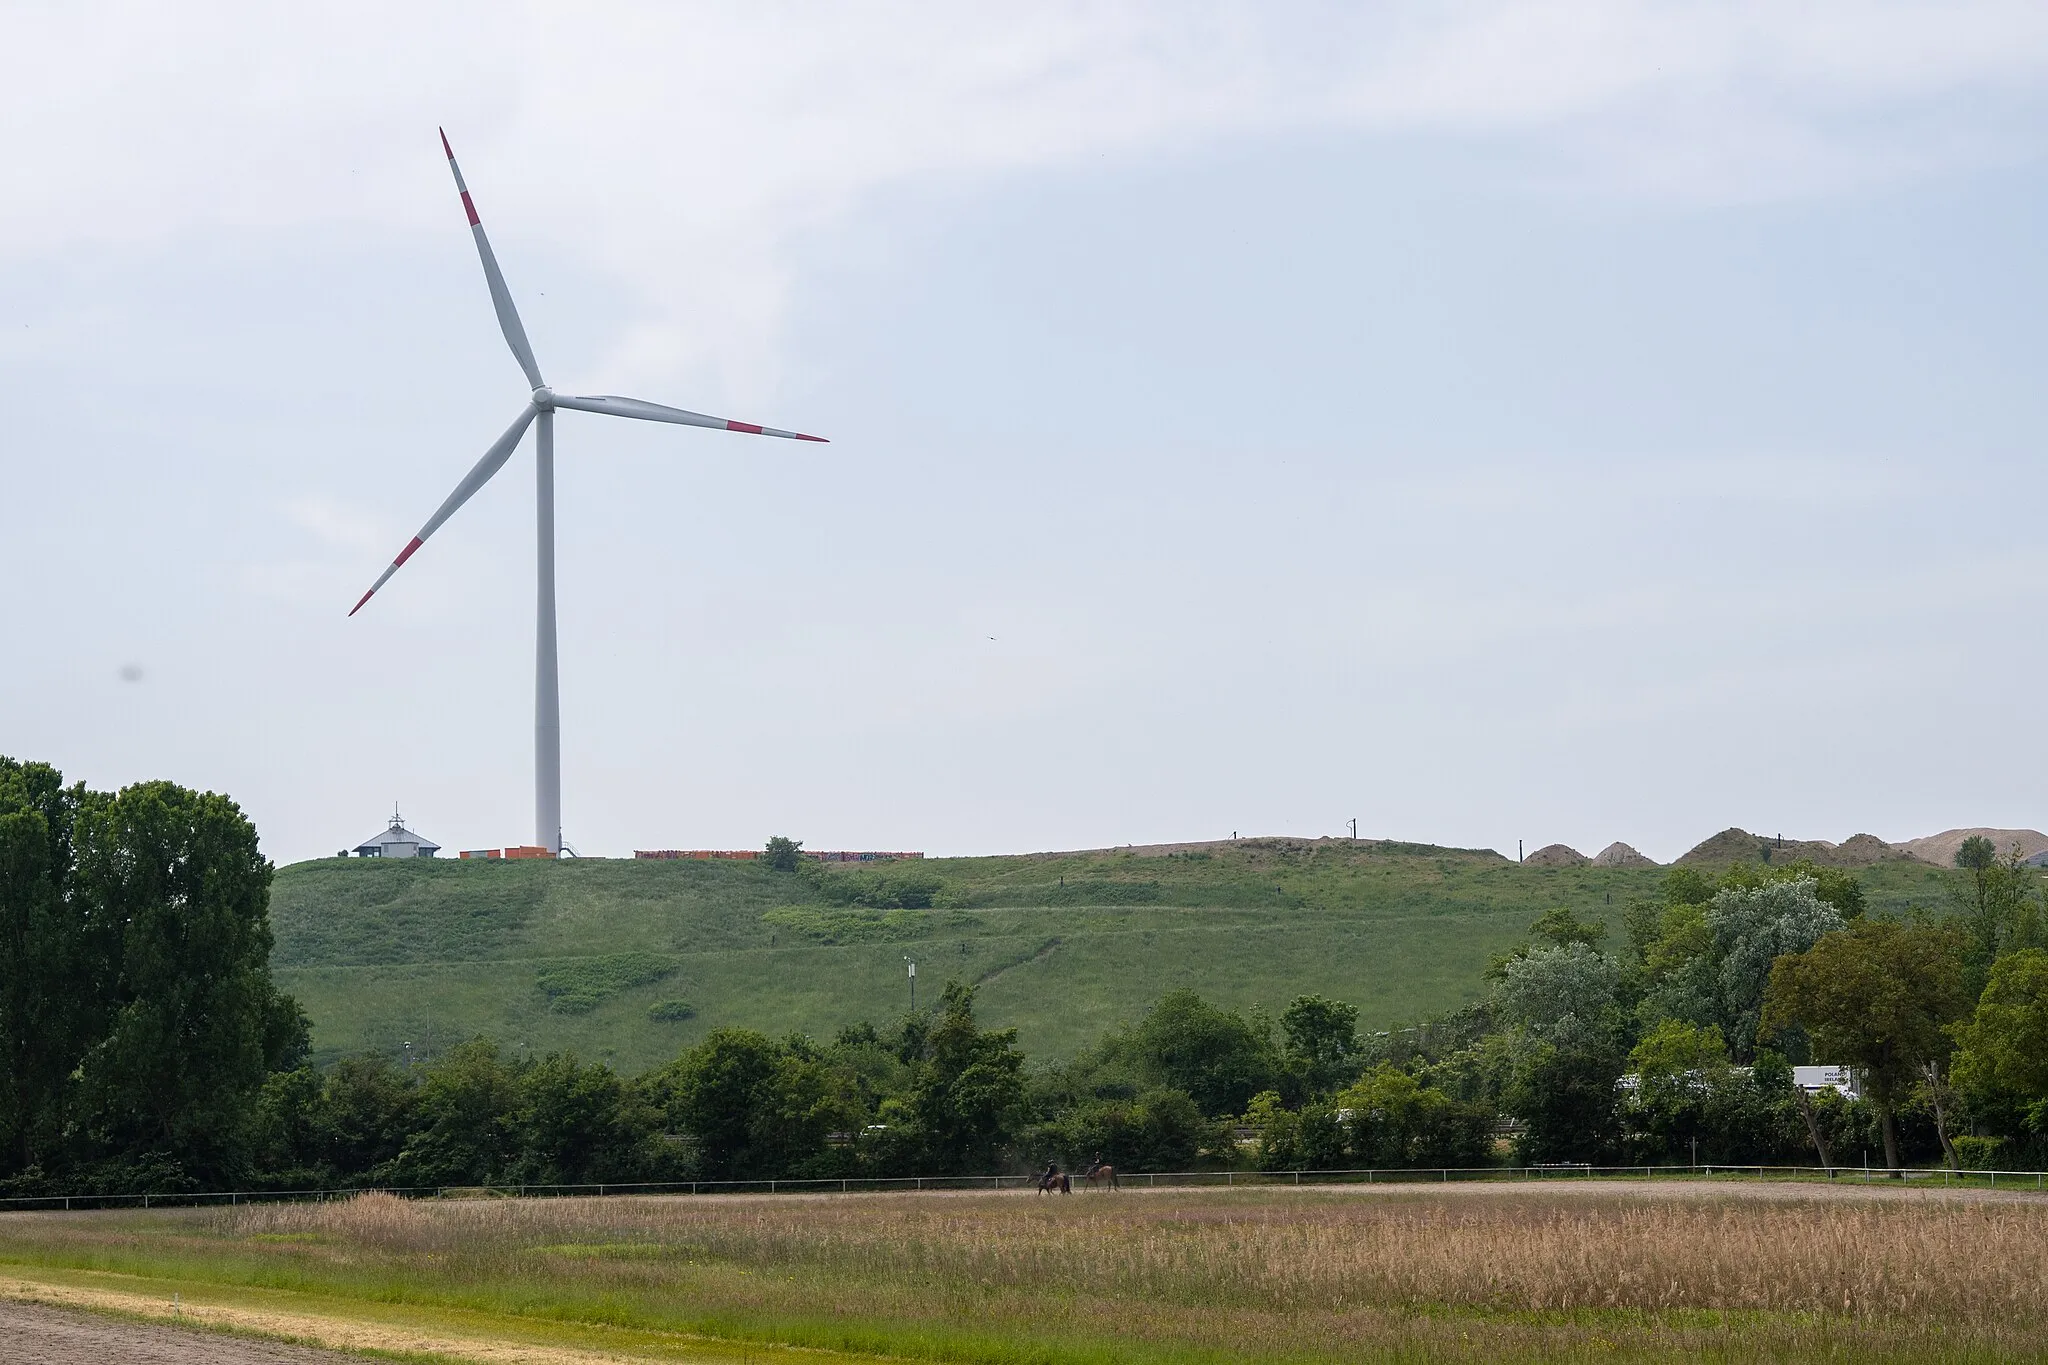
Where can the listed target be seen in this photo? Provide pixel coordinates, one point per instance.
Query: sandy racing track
(35, 1334)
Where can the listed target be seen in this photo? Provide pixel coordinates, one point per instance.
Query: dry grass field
(1564, 1271)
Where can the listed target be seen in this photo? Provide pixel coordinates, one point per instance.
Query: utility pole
(1518, 850)
(913, 983)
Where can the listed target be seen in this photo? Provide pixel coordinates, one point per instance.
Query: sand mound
(1940, 849)
(1556, 855)
(1618, 854)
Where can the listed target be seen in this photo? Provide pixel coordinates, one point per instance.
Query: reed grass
(1552, 1272)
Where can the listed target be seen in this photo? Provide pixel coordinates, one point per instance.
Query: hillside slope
(1062, 946)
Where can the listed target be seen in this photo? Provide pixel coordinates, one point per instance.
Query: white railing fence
(2015, 1181)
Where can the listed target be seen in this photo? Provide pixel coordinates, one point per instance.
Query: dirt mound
(1740, 846)
(1731, 845)
(1940, 849)
(1556, 855)
(1618, 854)
(1862, 850)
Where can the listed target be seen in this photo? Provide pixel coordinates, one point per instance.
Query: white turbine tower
(547, 706)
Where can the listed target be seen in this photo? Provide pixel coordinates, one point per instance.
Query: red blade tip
(444, 143)
(359, 606)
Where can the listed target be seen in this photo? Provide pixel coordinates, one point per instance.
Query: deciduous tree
(967, 1091)
(2004, 1046)
(1713, 963)
(1877, 996)
(1322, 1042)
(194, 1023)
(783, 854)
(50, 963)
(1213, 1055)
(756, 1108)
(2000, 908)
(1394, 1121)
(1562, 995)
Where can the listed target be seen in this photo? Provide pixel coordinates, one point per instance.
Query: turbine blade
(655, 412)
(501, 297)
(479, 475)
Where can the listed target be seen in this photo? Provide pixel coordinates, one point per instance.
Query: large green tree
(49, 982)
(1322, 1042)
(967, 1089)
(193, 1021)
(1214, 1055)
(1563, 995)
(1877, 996)
(1999, 908)
(2003, 1059)
(1566, 1098)
(138, 1019)
(1713, 960)
(578, 1123)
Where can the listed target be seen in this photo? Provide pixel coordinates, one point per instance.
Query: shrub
(1159, 1130)
(1395, 1121)
(887, 888)
(1978, 1153)
(580, 985)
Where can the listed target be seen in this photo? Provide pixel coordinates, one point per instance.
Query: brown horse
(1098, 1174)
(1057, 1181)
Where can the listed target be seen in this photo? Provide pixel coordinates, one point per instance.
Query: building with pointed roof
(397, 842)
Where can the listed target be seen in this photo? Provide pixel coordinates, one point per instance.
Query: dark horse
(1055, 1181)
(1102, 1171)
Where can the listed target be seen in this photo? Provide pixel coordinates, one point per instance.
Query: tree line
(146, 1048)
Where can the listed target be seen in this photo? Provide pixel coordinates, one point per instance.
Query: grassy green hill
(602, 956)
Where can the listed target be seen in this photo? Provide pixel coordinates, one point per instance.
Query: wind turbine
(540, 409)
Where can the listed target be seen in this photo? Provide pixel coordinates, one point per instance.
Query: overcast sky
(1577, 421)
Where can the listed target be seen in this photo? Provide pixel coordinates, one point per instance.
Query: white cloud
(686, 148)
(337, 525)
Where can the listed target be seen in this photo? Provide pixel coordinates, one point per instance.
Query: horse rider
(1050, 1176)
